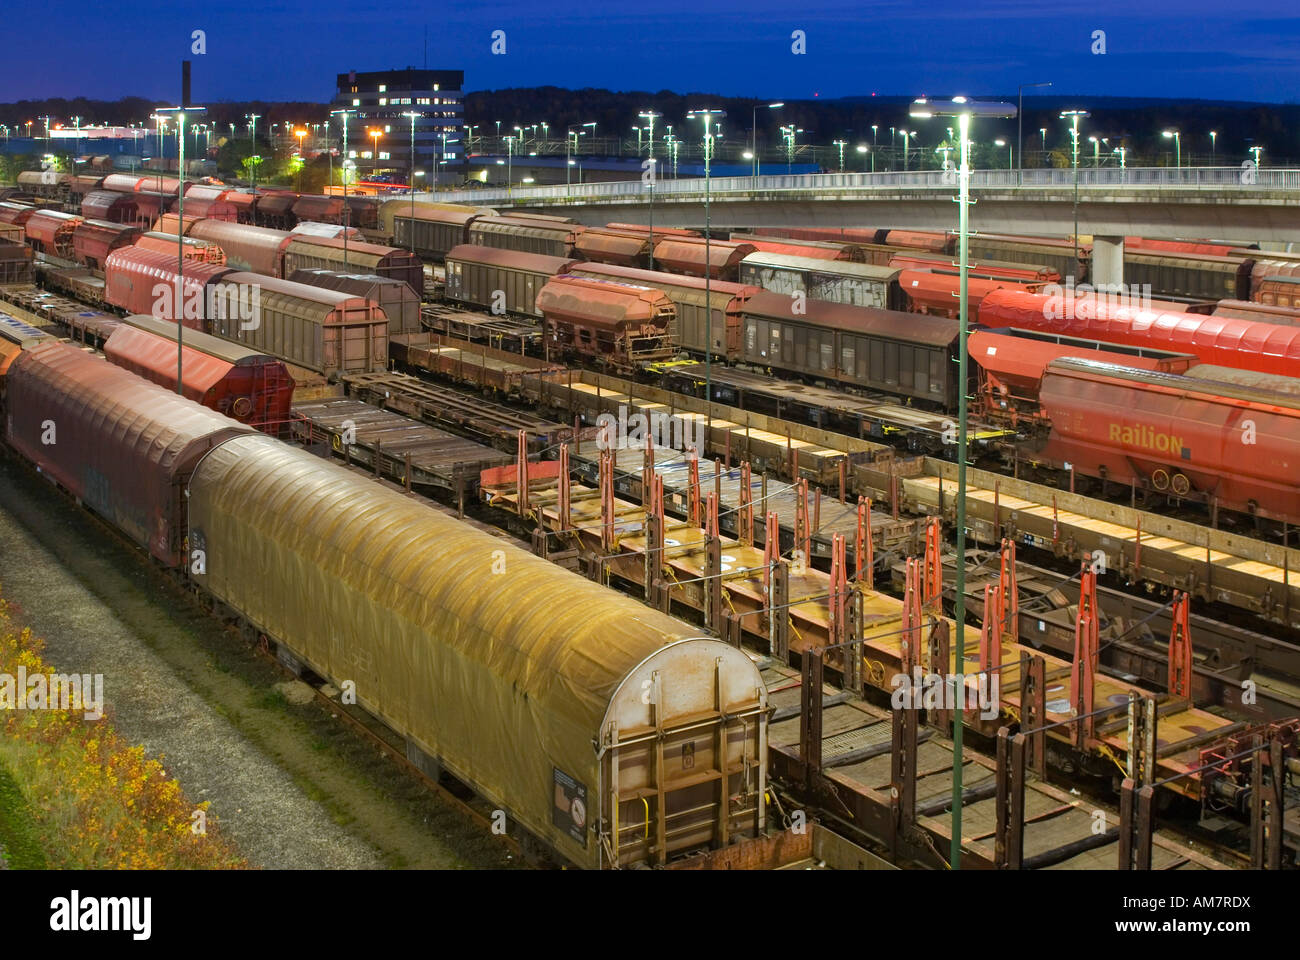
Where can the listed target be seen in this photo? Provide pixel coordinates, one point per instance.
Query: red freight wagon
(256, 249)
(110, 205)
(276, 210)
(621, 324)
(132, 279)
(242, 383)
(1271, 268)
(244, 204)
(919, 240)
(50, 232)
(198, 250)
(1224, 341)
(622, 247)
(1269, 313)
(1012, 364)
(812, 249)
(333, 253)
(644, 228)
(937, 293)
(687, 255)
(137, 482)
(1145, 244)
(1175, 435)
(986, 269)
(15, 213)
(94, 240)
(1279, 292)
(121, 182)
(319, 209)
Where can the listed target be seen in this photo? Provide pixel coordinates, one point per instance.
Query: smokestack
(185, 83)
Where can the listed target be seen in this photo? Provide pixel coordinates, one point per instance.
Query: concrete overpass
(1225, 203)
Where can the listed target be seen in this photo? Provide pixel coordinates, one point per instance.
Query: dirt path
(292, 787)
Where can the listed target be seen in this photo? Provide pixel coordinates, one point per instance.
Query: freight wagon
(256, 249)
(1176, 435)
(1279, 292)
(399, 302)
(110, 205)
(305, 253)
(1246, 310)
(622, 248)
(1221, 340)
(719, 259)
(390, 211)
(50, 232)
(141, 281)
(200, 251)
(1189, 275)
(243, 384)
(549, 238)
(619, 325)
(688, 295)
(811, 249)
(1057, 255)
(859, 284)
(939, 294)
(329, 332)
(94, 240)
(430, 230)
(502, 281)
(905, 354)
(125, 446)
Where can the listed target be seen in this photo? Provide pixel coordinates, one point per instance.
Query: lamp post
(1178, 146)
(179, 302)
(1213, 154)
(1096, 152)
(1256, 151)
(707, 116)
(907, 143)
(758, 166)
(302, 160)
(1011, 149)
(343, 163)
(510, 160)
(1042, 132)
(649, 116)
(252, 144)
(841, 144)
(1020, 127)
(374, 133)
(963, 109)
(1074, 116)
(862, 149)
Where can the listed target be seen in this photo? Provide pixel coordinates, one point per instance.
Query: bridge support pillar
(1107, 267)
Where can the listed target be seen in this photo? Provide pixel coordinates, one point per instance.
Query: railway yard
(643, 540)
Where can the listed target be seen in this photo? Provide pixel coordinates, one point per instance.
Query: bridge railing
(1205, 178)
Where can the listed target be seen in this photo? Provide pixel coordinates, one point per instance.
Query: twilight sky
(291, 49)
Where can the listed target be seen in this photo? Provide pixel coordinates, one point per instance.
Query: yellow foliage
(98, 801)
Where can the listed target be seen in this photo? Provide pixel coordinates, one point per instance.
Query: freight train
(609, 732)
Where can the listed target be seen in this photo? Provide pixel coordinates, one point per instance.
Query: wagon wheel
(1181, 485)
(1160, 479)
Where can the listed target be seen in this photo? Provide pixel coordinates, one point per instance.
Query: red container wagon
(1012, 364)
(620, 325)
(1176, 435)
(94, 240)
(929, 240)
(1225, 341)
(135, 482)
(619, 247)
(318, 209)
(207, 202)
(79, 186)
(256, 249)
(325, 331)
(694, 324)
(811, 249)
(244, 203)
(199, 251)
(305, 253)
(1270, 268)
(1210, 247)
(50, 232)
(15, 213)
(985, 269)
(1279, 292)
(234, 380)
(938, 293)
(1246, 310)
(111, 206)
(121, 182)
(275, 210)
(645, 228)
(139, 281)
(687, 255)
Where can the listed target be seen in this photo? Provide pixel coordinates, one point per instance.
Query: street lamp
(649, 117)
(963, 109)
(907, 141)
(302, 161)
(1256, 151)
(179, 302)
(754, 131)
(1020, 126)
(1096, 152)
(1178, 146)
(1074, 116)
(1043, 133)
(707, 115)
(510, 162)
(374, 133)
(252, 143)
(347, 211)
(1011, 148)
(841, 144)
(862, 149)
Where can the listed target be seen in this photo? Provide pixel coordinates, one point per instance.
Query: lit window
(383, 88)
(365, 154)
(383, 101)
(356, 103)
(384, 156)
(388, 128)
(435, 86)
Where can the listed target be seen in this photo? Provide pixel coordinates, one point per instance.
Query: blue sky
(288, 50)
